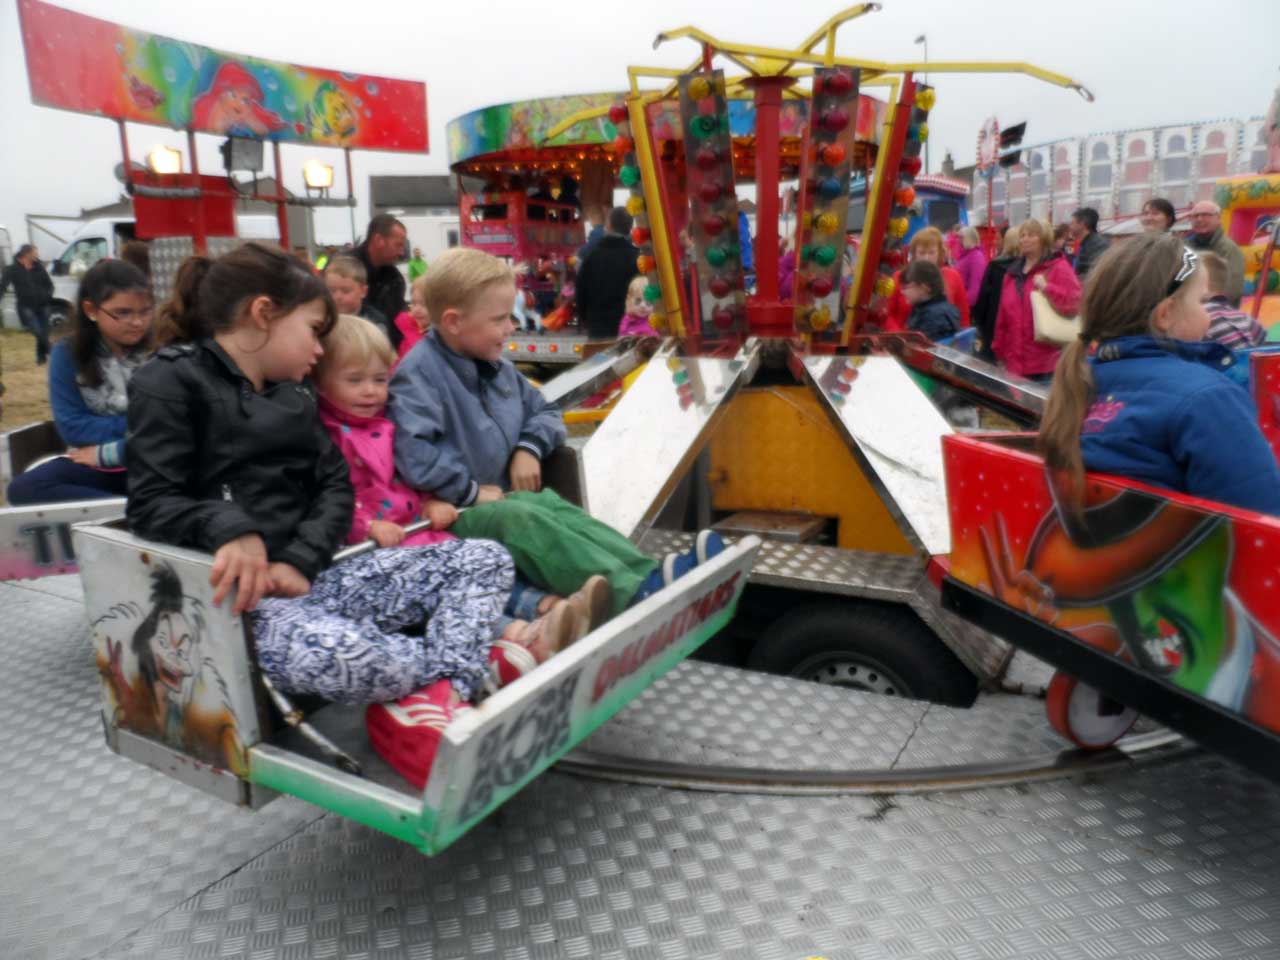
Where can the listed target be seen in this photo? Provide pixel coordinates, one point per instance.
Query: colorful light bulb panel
(687, 382)
(825, 173)
(893, 253)
(713, 225)
(641, 233)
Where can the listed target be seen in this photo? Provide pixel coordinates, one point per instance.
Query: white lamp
(164, 159)
(318, 176)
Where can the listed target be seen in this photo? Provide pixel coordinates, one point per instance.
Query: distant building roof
(413, 191)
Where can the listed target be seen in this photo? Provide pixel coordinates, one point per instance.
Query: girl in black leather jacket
(227, 455)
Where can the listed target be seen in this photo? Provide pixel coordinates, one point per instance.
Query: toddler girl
(635, 322)
(414, 322)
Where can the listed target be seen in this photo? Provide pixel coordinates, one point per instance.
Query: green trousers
(557, 546)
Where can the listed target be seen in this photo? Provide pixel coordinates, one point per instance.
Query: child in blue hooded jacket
(1141, 394)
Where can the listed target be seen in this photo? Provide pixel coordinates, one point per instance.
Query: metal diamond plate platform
(103, 858)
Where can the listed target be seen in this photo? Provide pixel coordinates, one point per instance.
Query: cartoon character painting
(232, 104)
(157, 681)
(330, 115)
(1148, 580)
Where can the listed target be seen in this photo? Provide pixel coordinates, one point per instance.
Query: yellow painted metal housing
(777, 451)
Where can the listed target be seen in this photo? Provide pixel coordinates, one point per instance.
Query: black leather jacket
(211, 459)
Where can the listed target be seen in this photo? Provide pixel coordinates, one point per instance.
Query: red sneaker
(508, 662)
(407, 733)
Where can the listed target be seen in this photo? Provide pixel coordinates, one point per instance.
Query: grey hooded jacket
(459, 420)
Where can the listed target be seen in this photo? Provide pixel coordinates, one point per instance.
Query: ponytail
(209, 295)
(1069, 400)
(178, 318)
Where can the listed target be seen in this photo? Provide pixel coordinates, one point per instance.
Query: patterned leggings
(343, 640)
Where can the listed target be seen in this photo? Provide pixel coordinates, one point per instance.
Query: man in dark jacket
(34, 290)
(1206, 234)
(382, 249)
(604, 276)
(1090, 245)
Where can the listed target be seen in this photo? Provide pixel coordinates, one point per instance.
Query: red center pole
(200, 242)
(765, 311)
(282, 212)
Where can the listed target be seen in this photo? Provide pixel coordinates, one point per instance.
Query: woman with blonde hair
(1142, 395)
(927, 244)
(1014, 343)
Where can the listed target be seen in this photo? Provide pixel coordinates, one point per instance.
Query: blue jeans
(62, 480)
(36, 319)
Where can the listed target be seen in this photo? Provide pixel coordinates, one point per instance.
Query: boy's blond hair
(353, 340)
(458, 277)
(348, 267)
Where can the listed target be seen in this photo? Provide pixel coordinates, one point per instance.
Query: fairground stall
(720, 812)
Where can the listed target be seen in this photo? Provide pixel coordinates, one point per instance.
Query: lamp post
(319, 177)
(923, 39)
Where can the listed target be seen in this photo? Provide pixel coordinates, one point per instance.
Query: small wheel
(1083, 715)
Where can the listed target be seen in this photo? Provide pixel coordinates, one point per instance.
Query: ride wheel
(1083, 715)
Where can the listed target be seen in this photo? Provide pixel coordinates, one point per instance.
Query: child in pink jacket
(352, 382)
(635, 322)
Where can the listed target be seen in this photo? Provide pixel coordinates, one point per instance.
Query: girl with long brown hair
(1142, 395)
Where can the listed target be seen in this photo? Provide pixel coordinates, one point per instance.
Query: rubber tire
(878, 635)
(59, 315)
(1063, 689)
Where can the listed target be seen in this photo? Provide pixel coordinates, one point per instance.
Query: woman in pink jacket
(1015, 342)
(971, 264)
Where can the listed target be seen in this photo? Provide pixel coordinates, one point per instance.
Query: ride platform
(721, 814)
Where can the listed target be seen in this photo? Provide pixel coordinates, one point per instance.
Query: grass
(26, 396)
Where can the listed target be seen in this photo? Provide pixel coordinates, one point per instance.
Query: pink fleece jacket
(366, 444)
(633, 326)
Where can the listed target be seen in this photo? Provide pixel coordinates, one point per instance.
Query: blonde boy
(471, 428)
(348, 284)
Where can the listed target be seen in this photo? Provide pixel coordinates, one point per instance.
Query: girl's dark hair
(100, 283)
(1163, 207)
(209, 295)
(925, 273)
(1121, 293)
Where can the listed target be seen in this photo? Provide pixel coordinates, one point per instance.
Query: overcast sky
(1147, 61)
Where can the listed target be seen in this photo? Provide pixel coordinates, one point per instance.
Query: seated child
(414, 322)
(931, 313)
(1227, 325)
(352, 379)
(469, 428)
(635, 322)
(1140, 394)
(227, 455)
(88, 376)
(348, 284)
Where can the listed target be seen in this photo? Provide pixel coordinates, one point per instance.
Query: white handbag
(1050, 325)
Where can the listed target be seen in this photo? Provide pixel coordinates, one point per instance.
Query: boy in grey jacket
(471, 430)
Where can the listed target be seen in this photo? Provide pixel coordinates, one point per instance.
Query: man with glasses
(1206, 234)
(34, 290)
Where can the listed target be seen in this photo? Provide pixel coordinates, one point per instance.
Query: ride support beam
(764, 310)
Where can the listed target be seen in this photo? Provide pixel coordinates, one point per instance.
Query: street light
(164, 159)
(922, 39)
(318, 176)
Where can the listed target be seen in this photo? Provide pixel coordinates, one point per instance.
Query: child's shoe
(649, 586)
(593, 601)
(708, 544)
(676, 565)
(508, 662)
(407, 733)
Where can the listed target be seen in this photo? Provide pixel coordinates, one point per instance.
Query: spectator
(34, 290)
(1089, 244)
(931, 314)
(1062, 240)
(1158, 215)
(595, 230)
(348, 284)
(971, 263)
(137, 253)
(417, 266)
(988, 305)
(927, 244)
(381, 250)
(1015, 341)
(1206, 234)
(604, 277)
(1228, 325)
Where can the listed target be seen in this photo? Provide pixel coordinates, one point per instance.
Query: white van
(104, 236)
